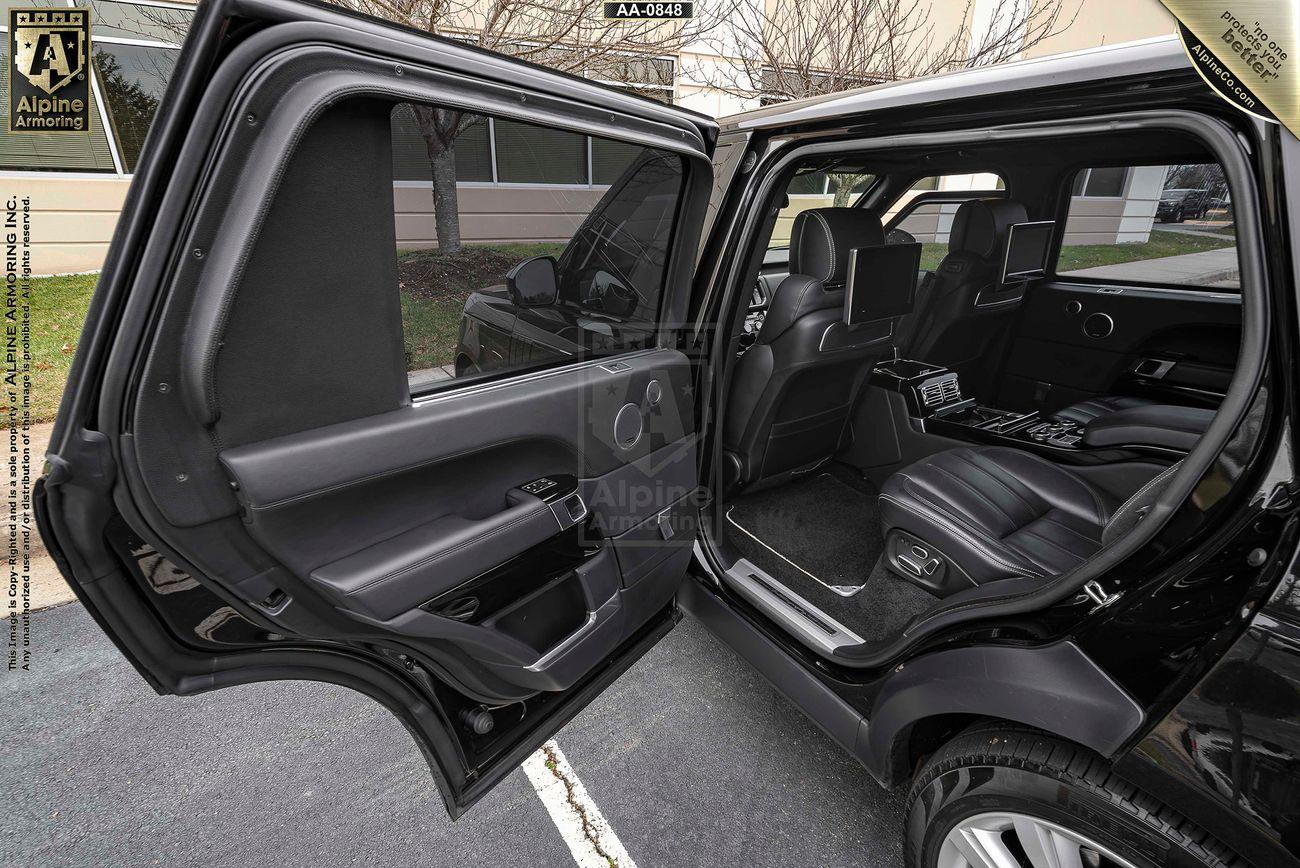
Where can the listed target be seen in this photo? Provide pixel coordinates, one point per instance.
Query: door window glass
(584, 225)
(1166, 224)
(133, 78)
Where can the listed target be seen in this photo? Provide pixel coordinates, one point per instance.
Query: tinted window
(134, 21)
(1169, 225)
(473, 147)
(1106, 182)
(609, 240)
(134, 79)
(615, 263)
(535, 155)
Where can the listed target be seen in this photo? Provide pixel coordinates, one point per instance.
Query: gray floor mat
(821, 538)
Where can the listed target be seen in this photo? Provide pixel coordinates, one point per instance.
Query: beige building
(76, 184)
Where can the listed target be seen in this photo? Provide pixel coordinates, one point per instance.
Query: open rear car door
(244, 485)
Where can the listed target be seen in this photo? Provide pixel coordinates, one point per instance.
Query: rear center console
(937, 405)
(934, 397)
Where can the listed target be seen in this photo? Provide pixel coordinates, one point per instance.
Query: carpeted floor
(821, 538)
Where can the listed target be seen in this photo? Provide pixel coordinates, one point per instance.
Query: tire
(991, 776)
(1179, 217)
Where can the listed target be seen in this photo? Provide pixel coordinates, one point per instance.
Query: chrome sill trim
(811, 626)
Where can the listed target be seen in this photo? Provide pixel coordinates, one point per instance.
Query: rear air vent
(937, 392)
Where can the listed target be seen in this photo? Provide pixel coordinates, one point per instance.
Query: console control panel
(1063, 433)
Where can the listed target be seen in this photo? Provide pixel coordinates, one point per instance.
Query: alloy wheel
(1011, 840)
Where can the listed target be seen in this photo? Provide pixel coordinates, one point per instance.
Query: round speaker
(654, 393)
(1098, 325)
(627, 426)
(1073, 307)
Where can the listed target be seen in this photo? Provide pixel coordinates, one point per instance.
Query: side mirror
(534, 282)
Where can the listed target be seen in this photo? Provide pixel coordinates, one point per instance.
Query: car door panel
(388, 513)
(1053, 360)
(244, 409)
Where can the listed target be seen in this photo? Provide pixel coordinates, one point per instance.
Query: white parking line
(583, 828)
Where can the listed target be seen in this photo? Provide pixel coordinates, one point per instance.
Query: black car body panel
(1229, 749)
(1182, 678)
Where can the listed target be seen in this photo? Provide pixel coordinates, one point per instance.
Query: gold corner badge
(49, 70)
(1246, 50)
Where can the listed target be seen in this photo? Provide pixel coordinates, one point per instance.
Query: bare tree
(567, 35)
(790, 49)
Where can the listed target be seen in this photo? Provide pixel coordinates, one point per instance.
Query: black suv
(1178, 205)
(1019, 535)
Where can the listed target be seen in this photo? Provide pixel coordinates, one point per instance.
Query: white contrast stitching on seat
(1126, 504)
(830, 242)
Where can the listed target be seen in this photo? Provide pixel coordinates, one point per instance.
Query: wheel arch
(1055, 688)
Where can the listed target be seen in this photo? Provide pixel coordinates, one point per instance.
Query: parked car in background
(1178, 205)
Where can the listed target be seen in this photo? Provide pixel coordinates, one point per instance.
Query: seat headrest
(821, 239)
(980, 226)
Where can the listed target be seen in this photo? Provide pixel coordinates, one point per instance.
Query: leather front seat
(944, 329)
(974, 515)
(792, 392)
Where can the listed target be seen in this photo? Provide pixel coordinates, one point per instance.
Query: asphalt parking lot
(691, 758)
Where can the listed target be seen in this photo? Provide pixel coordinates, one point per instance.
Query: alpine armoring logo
(49, 70)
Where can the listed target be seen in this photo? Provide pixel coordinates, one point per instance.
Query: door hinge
(1095, 592)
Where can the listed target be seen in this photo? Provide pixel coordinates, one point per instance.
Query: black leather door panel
(397, 574)
(1075, 341)
(391, 513)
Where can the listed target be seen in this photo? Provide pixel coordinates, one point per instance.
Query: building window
(1102, 183)
(507, 151)
(609, 159)
(472, 145)
(53, 151)
(139, 21)
(528, 154)
(648, 77)
(135, 50)
(132, 79)
(778, 87)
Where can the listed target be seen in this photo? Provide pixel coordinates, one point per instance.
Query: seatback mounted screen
(1027, 247)
(881, 282)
